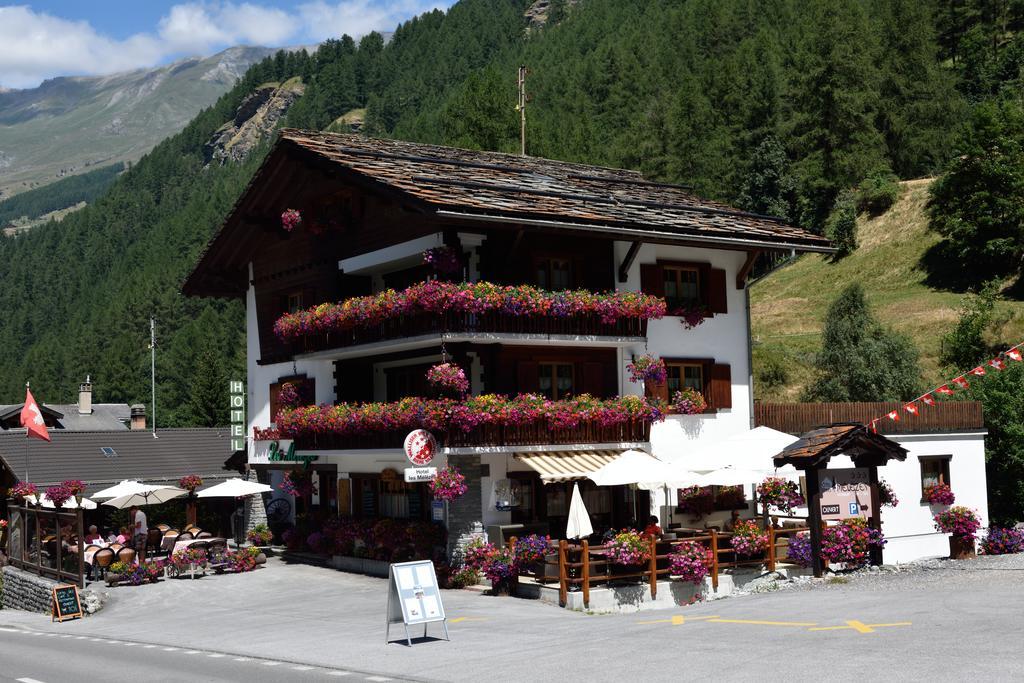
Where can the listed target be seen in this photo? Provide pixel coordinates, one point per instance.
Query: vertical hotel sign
(236, 390)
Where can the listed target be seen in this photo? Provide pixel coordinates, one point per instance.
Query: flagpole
(28, 439)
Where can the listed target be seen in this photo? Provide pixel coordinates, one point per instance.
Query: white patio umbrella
(234, 488)
(632, 467)
(752, 450)
(68, 504)
(579, 525)
(155, 494)
(117, 490)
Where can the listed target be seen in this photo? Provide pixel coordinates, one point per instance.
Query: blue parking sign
(854, 509)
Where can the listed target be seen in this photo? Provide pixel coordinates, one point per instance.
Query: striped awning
(554, 466)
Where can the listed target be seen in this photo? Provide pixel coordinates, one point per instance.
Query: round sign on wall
(420, 447)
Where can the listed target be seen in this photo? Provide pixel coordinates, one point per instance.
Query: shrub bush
(878, 192)
(841, 225)
(1001, 541)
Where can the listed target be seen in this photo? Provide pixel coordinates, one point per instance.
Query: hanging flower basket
(779, 493)
(444, 260)
(290, 219)
(288, 396)
(939, 494)
(689, 402)
(696, 500)
(449, 484)
(25, 491)
(58, 494)
(298, 483)
(448, 377)
(690, 317)
(647, 368)
(886, 496)
(190, 482)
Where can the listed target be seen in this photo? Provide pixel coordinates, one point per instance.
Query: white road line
(127, 644)
(377, 678)
(10, 630)
(149, 647)
(28, 680)
(271, 663)
(170, 649)
(215, 655)
(96, 640)
(302, 668)
(51, 635)
(192, 652)
(80, 637)
(242, 659)
(339, 673)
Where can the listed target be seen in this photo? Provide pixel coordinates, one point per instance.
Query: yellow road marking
(763, 623)
(677, 620)
(458, 619)
(860, 627)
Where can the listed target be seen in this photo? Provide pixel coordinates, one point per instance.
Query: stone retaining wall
(26, 591)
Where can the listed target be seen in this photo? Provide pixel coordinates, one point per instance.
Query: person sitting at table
(121, 537)
(652, 530)
(94, 535)
(734, 518)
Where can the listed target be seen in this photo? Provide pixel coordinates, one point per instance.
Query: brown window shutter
(527, 377)
(719, 390)
(651, 279)
(275, 390)
(593, 379)
(656, 390)
(716, 289)
(307, 390)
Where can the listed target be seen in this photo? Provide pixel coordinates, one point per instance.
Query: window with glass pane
(682, 375)
(554, 273)
(295, 302)
(682, 287)
(557, 500)
(934, 470)
(556, 380)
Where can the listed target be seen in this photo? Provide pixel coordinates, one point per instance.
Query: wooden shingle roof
(864, 447)
(456, 182)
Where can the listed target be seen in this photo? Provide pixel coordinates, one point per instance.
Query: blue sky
(40, 40)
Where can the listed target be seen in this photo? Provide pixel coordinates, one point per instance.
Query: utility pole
(152, 368)
(521, 108)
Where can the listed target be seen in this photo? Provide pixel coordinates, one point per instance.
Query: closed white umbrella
(234, 488)
(117, 490)
(155, 494)
(579, 525)
(68, 504)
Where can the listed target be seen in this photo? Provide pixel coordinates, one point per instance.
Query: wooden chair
(115, 546)
(153, 540)
(103, 558)
(193, 528)
(162, 527)
(167, 541)
(126, 555)
(186, 536)
(204, 534)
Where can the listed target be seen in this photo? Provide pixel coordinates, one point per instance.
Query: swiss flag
(997, 364)
(32, 418)
(928, 400)
(910, 408)
(961, 382)
(944, 390)
(1013, 354)
(979, 371)
(894, 416)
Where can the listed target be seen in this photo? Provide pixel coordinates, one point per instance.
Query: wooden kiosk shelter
(812, 454)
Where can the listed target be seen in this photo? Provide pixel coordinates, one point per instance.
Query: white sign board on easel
(414, 597)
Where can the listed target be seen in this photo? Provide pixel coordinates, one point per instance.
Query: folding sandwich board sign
(414, 598)
(66, 603)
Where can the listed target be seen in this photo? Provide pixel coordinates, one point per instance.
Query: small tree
(964, 346)
(861, 360)
(770, 188)
(1002, 398)
(841, 226)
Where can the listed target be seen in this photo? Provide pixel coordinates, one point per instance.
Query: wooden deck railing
(584, 565)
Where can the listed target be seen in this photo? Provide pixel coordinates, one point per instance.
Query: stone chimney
(138, 417)
(85, 397)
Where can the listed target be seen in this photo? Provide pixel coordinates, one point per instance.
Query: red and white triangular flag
(32, 418)
(978, 371)
(874, 426)
(944, 390)
(1014, 354)
(910, 408)
(894, 416)
(928, 400)
(997, 364)
(961, 382)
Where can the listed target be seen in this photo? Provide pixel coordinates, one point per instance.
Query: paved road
(959, 623)
(29, 656)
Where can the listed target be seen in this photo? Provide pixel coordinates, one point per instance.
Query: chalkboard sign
(66, 604)
(414, 597)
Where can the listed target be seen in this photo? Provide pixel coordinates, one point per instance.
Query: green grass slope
(788, 307)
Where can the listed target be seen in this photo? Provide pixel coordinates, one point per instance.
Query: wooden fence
(944, 416)
(586, 565)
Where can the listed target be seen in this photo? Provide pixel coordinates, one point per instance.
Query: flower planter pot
(961, 548)
(113, 579)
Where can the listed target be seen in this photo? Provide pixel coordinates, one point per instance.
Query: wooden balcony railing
(490, 435)
(585, 566)
(469, 323)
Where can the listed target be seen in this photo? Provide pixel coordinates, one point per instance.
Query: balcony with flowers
(476, 421)
(476, 311)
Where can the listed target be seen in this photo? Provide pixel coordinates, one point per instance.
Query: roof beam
(748, 265)
(627, 262)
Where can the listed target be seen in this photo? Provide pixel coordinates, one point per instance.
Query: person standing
(139, 530)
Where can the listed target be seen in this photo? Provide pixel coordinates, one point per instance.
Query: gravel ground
(925, 574)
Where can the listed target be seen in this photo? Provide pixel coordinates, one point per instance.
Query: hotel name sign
(283, 451)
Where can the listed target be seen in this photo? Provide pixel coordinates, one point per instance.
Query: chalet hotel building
(370, 209)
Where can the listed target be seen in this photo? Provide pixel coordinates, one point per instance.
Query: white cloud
(36, 45)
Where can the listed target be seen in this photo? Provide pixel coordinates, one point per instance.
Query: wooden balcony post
(771, 548)
(585, 559)
(714, 560)
(653, 565)
(563, 587)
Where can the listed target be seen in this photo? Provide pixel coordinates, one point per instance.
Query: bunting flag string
(928, 398)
